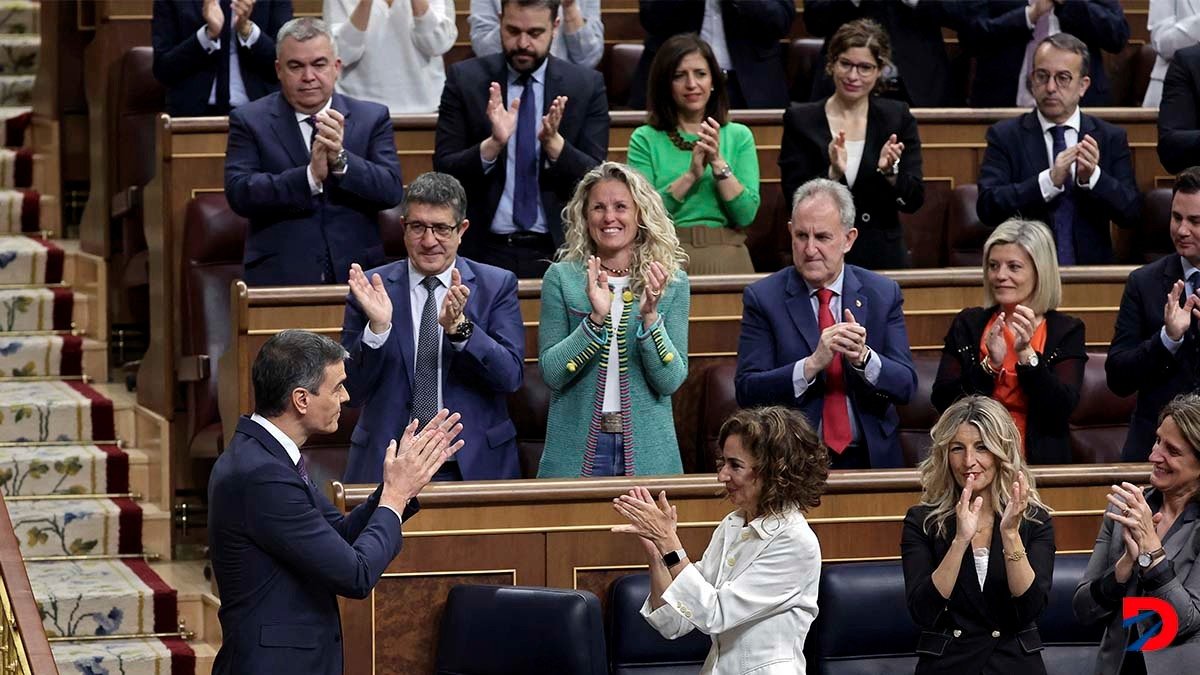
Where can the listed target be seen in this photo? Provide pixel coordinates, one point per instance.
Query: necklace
(616, 272)
(678, 141)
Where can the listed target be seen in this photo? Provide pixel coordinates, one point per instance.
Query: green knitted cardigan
(574, 361)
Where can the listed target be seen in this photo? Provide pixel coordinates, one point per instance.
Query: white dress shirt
(870, 370)
(1071, 135)
(712, 31)
(754, 592)
(502, 221)
(237, 87)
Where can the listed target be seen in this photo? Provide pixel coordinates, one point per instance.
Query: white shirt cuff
(313, 186)
(872, 368)
(1171, 345)
(372, 340)
(799, 384)
(1091, 181)
(1049, 189)
(255, 33)
(210, 46)
(487, 164)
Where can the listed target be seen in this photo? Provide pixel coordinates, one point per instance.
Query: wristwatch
(1033, 360)
(1146, 559)
(723, 173)
(672, 558)
(462, 332)
(339, 163)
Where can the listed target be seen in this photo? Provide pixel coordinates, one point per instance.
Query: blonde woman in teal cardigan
(612, 340)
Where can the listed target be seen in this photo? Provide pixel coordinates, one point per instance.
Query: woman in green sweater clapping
(612, 340)
(704, 166)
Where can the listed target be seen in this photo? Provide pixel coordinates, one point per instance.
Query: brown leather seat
(802, 57)
(622, 61)
(919, 415)
(767, 237)
(213, 239)
(1101, 420)
(1154, 230)
(720, 401)
(391, 231)
(925, 230)
(135, 99)
(965, 234)
(528, 408)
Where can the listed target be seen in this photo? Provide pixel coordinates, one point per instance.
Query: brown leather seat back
(1154, 231)
(767, 237)
(391, 231)
(802, 57)
(622, 61)
(213, 239)
(528, 408)
(1101, 420)
(925, 230)
(919, 415)
(965, 235)
(720, 401)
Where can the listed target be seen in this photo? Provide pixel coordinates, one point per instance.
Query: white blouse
(754, 592)
(397, 61)
(612, 377)
(1173, 25)
(854, 155)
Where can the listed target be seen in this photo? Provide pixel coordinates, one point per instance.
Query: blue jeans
(610, 455)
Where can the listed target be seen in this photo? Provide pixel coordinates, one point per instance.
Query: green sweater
(572, 357)
(653, 154)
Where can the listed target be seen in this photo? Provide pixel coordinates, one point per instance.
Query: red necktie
(835, 419)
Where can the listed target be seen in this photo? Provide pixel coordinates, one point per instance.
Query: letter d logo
(1159, 634)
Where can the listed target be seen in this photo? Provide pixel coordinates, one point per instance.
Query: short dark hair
(660, 103)
(860, 33)
(1187, 182)
(551, 5)
(436, 189)
(1069, 43)
(792, 462)
(289, 360)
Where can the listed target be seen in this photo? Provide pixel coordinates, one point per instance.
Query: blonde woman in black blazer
(868, 143)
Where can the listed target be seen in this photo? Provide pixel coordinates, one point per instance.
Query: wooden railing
(23, 645)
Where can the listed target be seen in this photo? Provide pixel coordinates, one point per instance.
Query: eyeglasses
(864, 69)
(441, 231)
(1062, 78)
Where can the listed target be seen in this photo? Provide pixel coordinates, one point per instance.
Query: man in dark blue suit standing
(281, 552)
(829, 338)
(310, 169)
(1055, 164)
(215, 55)
(455, 340)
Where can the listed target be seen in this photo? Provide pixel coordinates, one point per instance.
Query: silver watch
(723, 173)
(1033, 360)
(339, 162)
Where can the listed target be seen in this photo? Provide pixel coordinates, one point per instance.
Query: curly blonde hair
(790, 459)
(656, 240)
(1002, 439)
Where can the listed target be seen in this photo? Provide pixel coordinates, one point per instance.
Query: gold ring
(656, 293)
(1125, 512)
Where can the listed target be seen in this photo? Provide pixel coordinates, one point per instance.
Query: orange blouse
(1008, 389)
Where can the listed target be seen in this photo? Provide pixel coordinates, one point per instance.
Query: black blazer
(1008, 183)
(1052, 387)
(1179, 112)
(183, 67)
(917, 45)
(959, 635)
(463, 125)
(998, 36)
(753, 29)
(804, 155)
(1138, 363)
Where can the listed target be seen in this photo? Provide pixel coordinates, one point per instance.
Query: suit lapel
(1034, 143)
(853, 299)
(402, 323)
(874, 139)
(287, 131)
(799, 307)
(341, 105)
(256, 431)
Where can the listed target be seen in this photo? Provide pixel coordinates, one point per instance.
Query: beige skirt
(715, 250)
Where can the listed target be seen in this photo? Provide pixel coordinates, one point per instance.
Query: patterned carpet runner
(66, 483)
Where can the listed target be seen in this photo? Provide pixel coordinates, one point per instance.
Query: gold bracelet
(1015, 555)
(987, 367)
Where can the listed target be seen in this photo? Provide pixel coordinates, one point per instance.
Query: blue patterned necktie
(525, 192)
(303, 470)
(1063, 219)
(425, 370)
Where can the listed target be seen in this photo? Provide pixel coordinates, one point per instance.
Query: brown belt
(610, 423)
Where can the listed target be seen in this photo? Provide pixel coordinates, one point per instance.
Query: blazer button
(866, 217)
(570, 366)
(957, 633)
(668, 357)
(995, 633)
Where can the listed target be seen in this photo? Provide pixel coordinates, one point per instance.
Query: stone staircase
(85, 471)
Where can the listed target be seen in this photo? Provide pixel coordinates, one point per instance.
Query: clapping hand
(1176, 318)
(1022, 322)
(854, 342)
(967, 512)
(654, 522)
(552, 141)
(837, 156)
(656, 281)
(996, 345)
(1060, 173)
(1086, 160)
(1018, 501)
(240, 10)
(598, 291)
(455, 304)
(214, 19)
(372, 297)
(889, 154)
(410, 464)
(504, 121)
(328, 133)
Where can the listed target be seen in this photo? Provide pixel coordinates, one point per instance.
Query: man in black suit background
(1155, 350)
(1179, 112)
(1055, 164)
(744, 36)
(520, 161)
(214, 55)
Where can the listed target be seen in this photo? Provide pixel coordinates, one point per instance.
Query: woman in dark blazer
(1018, 349)
(978, 551)
(1147, 547)
(868, 143)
